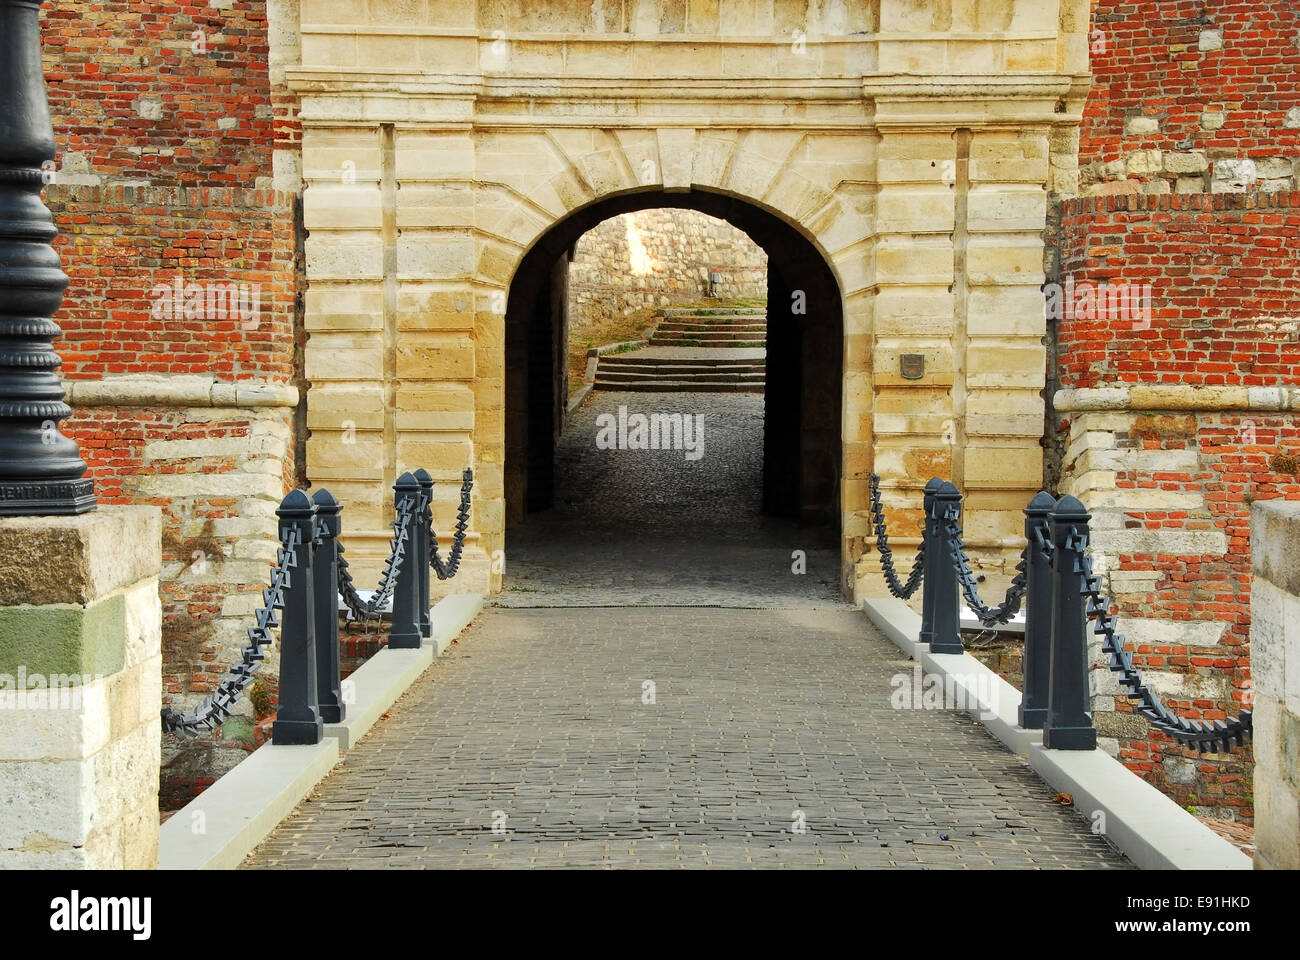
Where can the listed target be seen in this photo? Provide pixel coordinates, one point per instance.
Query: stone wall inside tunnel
(677, 252)
(910, 146)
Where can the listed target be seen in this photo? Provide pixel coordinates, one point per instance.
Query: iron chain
(214, 710)
(365, 610)
(900, 590)
(1203, 734)
(1015, 594)
(448, 570)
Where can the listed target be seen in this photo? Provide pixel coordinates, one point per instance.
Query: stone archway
(803, 403)
(912, 145)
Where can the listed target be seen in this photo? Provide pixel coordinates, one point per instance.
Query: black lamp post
(41, 471)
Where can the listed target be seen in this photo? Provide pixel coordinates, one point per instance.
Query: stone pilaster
(1275, 662)
(80, 690)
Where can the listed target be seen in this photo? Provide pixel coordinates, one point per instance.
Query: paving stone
(707, 779)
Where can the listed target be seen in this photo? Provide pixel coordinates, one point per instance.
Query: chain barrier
(214, 710)
(902, 591)
(1217, 735)
(448, 570)
(1015, 595)
(366, 610)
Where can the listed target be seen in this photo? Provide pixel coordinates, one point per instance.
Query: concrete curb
(376, 684)
(995, 701)
(623, 346)
(373, 688)
(1148, 827)
(1153, 831)
(220, 827)
(450, 616)
(579, 395)
(241, 809)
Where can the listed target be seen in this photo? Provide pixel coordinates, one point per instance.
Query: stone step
(679, 373)
(683, 386)
(643, 376)
(635, 359)
(675, 326)
(705, 344)
(759, 321)
(747, 312)
(707, 337)
(680, 368)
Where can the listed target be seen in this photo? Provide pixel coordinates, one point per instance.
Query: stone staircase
(736, 328)
(690, 352)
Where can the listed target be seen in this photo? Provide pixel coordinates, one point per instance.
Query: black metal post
(928, 529)
(946, 636)
(298, 719)
(41, 470)
(1038, 614)
(325, 570)
(1069, 724)
(405, 634)
(422, 543)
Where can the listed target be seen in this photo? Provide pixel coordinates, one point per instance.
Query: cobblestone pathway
(650, 528)
(770, 741)
(762, 720)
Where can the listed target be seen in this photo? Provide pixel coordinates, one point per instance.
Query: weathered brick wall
(657, 258)
(124, 250)
(1177, 405)
(169, 118)
(1224, 297)
(162, 92)
(1191, 97)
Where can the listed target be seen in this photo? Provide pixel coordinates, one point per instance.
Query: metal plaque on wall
(911, 366)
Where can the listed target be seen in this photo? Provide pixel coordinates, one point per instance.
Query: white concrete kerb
(220, 827)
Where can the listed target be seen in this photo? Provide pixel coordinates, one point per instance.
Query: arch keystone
(676, 158)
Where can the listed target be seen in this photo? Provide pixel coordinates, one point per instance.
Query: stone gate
(452, 153)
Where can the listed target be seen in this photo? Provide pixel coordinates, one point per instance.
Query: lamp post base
(46, 498)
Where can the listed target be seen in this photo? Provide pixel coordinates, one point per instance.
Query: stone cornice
(1138, 397)
(178, 391)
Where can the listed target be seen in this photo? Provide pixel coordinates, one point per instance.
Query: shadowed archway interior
(801, 410)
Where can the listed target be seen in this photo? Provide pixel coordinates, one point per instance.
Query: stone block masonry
(181, 373)
(80, 690)
(177, 167)
(1275, 612)
(658, 258)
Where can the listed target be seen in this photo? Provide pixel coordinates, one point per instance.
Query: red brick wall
(1225, 298)
(1147, 62)
(1184, 94)
(166, 121)
(1224, 274)
(118, 242)
(105, 62)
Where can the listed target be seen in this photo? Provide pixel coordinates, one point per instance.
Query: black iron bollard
(422, 543)
(298, 719)
(928, 529)
(405, 634)
(41, 470)
(325, 567)
(1038, 614)
(1069, 724)
(945, 634)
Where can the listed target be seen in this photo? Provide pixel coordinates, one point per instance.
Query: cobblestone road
(770, 741)
(650, 528)
(763, 721)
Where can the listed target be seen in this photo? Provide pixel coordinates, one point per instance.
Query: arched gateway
(894, 156)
